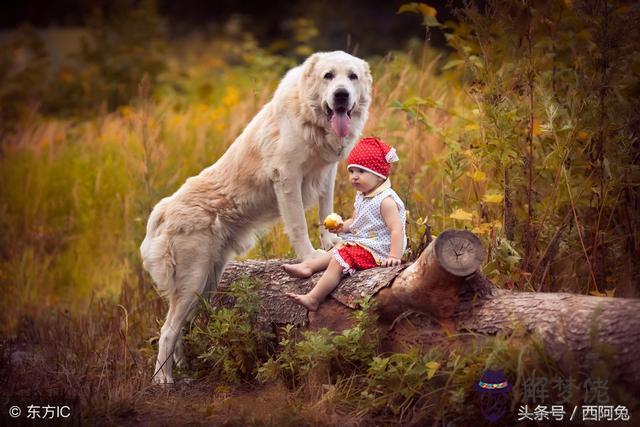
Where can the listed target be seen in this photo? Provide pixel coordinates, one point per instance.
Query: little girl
(375, 235)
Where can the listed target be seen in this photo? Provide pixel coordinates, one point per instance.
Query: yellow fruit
(333, 222)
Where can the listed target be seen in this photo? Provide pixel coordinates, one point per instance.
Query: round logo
(15, 411)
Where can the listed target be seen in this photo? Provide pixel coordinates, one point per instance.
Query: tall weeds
(540, 79)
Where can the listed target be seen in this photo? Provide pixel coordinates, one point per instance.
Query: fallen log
(444, 290)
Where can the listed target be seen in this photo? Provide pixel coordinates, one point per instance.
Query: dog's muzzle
(340, 104)
(338, 109)
(341, 98)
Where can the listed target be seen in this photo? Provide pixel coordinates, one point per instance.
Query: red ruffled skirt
(354, 257)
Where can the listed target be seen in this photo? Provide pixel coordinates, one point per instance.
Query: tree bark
(443, 289)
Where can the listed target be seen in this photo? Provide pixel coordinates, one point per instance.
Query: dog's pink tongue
(340, 124)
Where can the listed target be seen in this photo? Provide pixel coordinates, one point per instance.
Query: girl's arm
(391, 217)
(346, 226)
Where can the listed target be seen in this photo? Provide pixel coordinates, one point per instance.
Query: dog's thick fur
(284, 161)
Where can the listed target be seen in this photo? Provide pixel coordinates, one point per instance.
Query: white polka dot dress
(369, 229)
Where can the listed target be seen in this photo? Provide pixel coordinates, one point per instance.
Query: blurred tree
(126, 45)
(373, 25)
(23, 72)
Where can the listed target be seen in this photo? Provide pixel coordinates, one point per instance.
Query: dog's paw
(161, 380)
(329, 240)
(314, 254)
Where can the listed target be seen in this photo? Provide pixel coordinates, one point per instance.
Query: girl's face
(364, 181)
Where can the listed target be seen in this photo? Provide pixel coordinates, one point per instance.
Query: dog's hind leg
(212, 282)
(191, 276)
(169, 334)
(178, 353)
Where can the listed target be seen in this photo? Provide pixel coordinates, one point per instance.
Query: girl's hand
(391, 261)
(335, 230)
(333, 223)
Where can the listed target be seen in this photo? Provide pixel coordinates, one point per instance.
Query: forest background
(515, 120)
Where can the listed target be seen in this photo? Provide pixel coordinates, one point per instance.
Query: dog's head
(339, 85)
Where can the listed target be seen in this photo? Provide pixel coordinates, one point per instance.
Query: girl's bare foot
(304, 300)
(298, 270)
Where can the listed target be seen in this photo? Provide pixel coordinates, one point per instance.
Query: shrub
(230, 341)
(324, 354)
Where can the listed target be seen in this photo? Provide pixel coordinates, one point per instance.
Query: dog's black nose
(341, 96)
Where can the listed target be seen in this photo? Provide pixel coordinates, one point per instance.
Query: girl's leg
(307, 268)
(327, 283)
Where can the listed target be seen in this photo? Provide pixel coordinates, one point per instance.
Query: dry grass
(79, 317)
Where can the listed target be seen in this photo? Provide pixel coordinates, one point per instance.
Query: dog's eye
(353, 76)
(328, 76)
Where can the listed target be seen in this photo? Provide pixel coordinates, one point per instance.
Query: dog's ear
(365, 98)
(309, 65)
(309, 83)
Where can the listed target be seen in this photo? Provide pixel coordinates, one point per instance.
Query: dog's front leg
(325, 207)
(288, 189)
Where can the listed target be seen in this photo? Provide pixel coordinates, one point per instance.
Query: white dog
(284, 161)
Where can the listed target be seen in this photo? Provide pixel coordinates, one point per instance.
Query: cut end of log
(459, 252)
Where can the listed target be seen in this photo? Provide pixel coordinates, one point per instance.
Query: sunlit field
(522, 147)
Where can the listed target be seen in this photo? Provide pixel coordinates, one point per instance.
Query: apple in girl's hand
(333, 222)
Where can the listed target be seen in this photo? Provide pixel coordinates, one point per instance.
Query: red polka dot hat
(372, 155)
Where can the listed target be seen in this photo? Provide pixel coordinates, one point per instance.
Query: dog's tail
(157, 257)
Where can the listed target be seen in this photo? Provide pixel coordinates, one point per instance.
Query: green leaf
(432, 367)
(415, 7)
(430, 21)
(453, 63)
